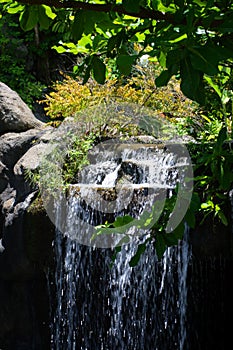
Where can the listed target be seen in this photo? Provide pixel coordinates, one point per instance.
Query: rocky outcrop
(22, 279)
(15, 115)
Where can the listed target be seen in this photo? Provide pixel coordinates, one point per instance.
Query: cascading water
(98, 304)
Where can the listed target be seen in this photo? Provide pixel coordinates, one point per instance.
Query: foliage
(191, 39)
(69, 150)
(214, 177)
(15, 62)
(77, 156)
(70, 96)
(154, 228)
(213, 168)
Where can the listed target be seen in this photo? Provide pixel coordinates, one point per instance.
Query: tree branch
(79, 5)
(143, 12)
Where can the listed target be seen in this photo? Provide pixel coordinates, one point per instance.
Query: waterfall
(100, 304)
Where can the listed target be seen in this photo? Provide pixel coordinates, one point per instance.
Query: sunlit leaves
(189, 38)
(15, 8)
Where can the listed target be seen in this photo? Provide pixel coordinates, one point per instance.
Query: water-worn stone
(32, 158)
(15, 115)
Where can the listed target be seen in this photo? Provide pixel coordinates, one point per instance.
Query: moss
(37, 206)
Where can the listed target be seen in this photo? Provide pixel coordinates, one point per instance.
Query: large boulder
(15, 115)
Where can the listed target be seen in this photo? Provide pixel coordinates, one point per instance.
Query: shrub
(70, 96)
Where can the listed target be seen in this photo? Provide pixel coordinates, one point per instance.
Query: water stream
(98, 304)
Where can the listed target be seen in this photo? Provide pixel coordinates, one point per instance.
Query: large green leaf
(99, 70)
(191, 81)
(175, 56)
(15, 8)
(78, 26)
(49, 12)
(29, 18)
(160, 246)
(207, 58)
(122, 220)
(163, 78)
(43, 19)
(115, 41)
(125, 62)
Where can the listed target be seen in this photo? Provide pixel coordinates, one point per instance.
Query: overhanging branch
(142, 13)
(79, 5)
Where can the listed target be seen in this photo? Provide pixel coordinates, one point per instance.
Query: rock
(14, 145)
(2, 248)
(31, 159)
(15, 115)
(21, 246)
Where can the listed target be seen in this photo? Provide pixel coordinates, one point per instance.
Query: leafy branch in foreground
(189, 39)
(153, 226)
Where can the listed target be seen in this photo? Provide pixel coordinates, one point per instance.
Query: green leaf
(15, 8)
(213, 85)
(222, 217)
(78, 26)
(59, 49)
(195, 201)
(87, 74)
(122, 220)
(99, 70)
(166, 3)
(29, 18)
(222, 136)
(140, 250)
(175, 56)
(163, 78)
(190, 218)
(160, 246)
(199, 62)
(49, 12)
(43, 19)
(206, 58)
(116, 40)
(125, 62)
(155, 4)
(191, 81)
